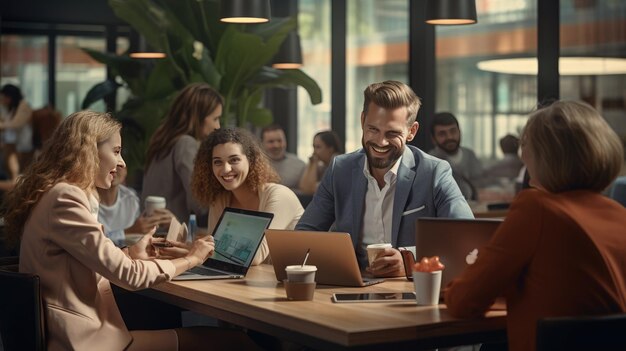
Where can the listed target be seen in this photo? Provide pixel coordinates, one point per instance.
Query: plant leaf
(98, 92)
(143, 15)
(273, 78)
(260, 117)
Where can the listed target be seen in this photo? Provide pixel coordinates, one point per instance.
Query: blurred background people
(194, 114)
(231, 170)
(120, 211)
(17, 132)
(560, 250)
(466, 168)
(288, 166)
(511, 164)
(326, 145)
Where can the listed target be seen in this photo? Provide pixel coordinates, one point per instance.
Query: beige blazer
(65, 245)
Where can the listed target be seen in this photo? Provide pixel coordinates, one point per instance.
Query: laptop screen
(237, 235)
(456, 241)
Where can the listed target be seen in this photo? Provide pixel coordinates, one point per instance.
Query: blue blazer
(424, 188)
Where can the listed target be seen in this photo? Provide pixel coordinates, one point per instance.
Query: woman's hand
(143, 249)
(174, 249)
(201, 249)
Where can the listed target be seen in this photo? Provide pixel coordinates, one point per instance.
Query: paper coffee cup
(299, 291)
(373, 250)
(427, 287)
(152, 203)
(302, 274)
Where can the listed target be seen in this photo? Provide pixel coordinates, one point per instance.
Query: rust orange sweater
(554, 255)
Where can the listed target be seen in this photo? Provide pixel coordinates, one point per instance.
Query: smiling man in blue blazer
(377, 192)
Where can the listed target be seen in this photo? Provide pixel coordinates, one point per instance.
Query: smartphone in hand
(162, 244)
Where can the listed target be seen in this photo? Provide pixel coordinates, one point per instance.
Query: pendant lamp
(289, 56)
(144, 51)
(245, 11)
(451, 12)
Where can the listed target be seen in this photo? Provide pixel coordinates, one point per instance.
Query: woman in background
(120, 212)
(53, 210)
(17, 132)
(326, 145)
(560, 250)
(195, 113)
(231, 170)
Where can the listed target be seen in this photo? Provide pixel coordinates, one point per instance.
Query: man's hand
(144, 224)
(388, 264)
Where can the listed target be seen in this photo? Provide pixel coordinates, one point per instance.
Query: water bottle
(193, 225)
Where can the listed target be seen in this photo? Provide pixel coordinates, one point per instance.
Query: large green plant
(199, 48)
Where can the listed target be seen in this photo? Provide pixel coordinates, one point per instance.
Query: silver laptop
(332, 253)
(457, 242)
(238, 235)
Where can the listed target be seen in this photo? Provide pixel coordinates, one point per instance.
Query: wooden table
(259, 303)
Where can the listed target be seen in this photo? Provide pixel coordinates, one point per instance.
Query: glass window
(487, 104)
(314, 30)
(25, 64)
(595, 29)
(377, 50)
(123, 93)
(76, 72)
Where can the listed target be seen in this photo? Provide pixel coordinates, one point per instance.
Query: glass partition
(314, 30)
(488, 105)
(377, 50)
(596, 30)
(77, 72)
(25, 64)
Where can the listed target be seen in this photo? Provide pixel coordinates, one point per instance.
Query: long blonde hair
(69, 156)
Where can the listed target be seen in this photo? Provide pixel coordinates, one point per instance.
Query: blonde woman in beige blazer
(53, 209)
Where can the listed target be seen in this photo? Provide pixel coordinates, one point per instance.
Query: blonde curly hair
(205, 186)
(69, 156)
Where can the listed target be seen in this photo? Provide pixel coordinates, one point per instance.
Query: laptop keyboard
(204, 271)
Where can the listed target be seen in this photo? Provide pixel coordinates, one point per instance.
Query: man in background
(466, 168)
(288, 165)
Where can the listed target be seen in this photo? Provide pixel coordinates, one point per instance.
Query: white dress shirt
(378, 214)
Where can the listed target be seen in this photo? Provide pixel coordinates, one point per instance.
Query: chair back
(582, 333)
(22, 324)
(618, 190)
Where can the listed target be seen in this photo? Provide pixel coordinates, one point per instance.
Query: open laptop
(453, 240)
(237, 235)
(331, 252)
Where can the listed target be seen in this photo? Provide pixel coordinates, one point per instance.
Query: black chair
(607, 332)
(22, 323)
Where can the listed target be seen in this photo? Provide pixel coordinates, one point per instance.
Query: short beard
(382, 163)
(447, 150)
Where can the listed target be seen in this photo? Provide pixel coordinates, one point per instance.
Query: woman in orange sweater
(560, 250)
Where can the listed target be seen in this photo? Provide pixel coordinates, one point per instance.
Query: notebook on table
(456, 241)
(332, 253)
(238, 235)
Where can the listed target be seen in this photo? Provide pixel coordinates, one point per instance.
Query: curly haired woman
(231, 171)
